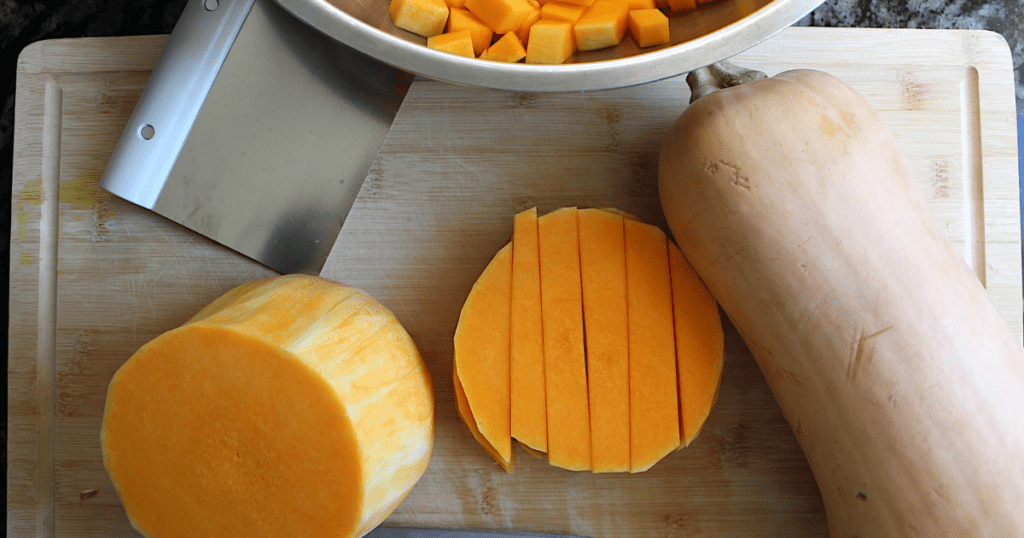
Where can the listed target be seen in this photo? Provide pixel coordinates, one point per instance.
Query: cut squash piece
(482, 353)
(458, 43)
(653, 394)
(615, 346)
(551, 42)
(602, 25)
(292, 406)
(565, 369)
(529, 406)
(502, 16)
(523, 32)
(422, 17)
(562, 11)
(700, 345)
(462, 19)
(603, 270)
(506, 49)
(649, 27)
(462, 405)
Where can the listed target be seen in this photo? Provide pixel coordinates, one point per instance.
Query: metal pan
(712, 32)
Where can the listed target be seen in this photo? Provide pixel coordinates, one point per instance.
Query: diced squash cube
(682, 5)
(523, 32)
(602, 25)
(506, 49)
(459, 43)
(422, 17)
(640, 4)
(462, 3)
(502, 16)
(649, 27)
(461, 19)
(585, 3)
(556, 10)
(661, 3)
(551, 42)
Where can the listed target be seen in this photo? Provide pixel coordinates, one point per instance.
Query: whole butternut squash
(901, 381)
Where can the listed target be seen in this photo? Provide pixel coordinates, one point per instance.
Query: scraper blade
(256, 131)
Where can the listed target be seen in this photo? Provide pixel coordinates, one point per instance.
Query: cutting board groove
(93, 277)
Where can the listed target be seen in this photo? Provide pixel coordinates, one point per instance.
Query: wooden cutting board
(93, 277)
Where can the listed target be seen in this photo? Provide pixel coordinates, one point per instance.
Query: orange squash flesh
(529, 405)
(266, 415)
(482, 353)
(564, 355)
(654, 400)
(589, 289)
(603, 272)
(700, 345)
(462, 404)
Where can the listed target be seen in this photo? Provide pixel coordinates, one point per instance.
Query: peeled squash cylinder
(293, 406)
(901, 381)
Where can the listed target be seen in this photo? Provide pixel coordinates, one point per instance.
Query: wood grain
(437, 204)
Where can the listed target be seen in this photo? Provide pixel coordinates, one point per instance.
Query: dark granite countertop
(22, 23)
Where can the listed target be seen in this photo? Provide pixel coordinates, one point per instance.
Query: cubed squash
(459, 43)
(602, 25)
(506, 49)
(456, 3)
(649, 27)
(422, 17)
(523, 32)
(462, 19)
(562, 11)
(551, 42)
(291, 406)
(501, 16)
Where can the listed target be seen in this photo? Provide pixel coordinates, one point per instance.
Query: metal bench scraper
(256, 131)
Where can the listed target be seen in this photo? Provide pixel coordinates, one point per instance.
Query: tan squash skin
(902, 383)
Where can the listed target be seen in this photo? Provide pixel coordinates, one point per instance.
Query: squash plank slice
(700, 345)
(529, 408)
(603, 272)
(268, 413)
(482, 353)
(462, 404)
(565, 373)
(654, 400)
